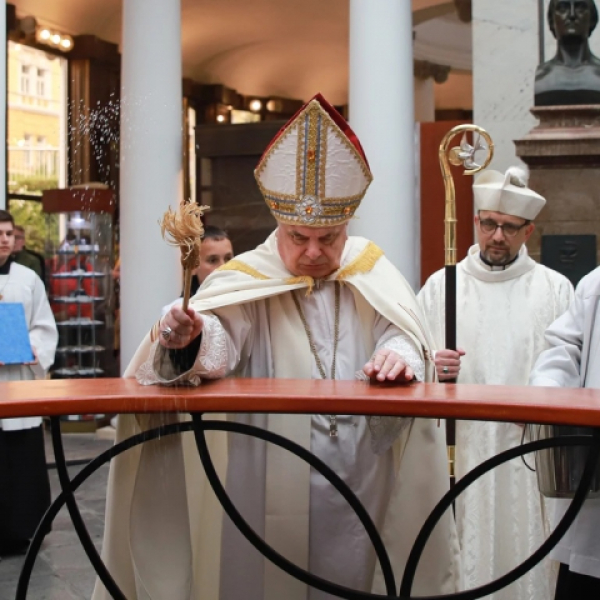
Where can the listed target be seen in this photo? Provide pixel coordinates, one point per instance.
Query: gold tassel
(242, 267)
(307, 279)
(363, 263)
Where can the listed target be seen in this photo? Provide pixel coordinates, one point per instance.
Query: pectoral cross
(333, 430)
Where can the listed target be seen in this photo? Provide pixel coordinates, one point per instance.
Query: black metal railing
(200, 425)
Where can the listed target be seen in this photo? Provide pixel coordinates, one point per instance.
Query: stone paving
(62, 570)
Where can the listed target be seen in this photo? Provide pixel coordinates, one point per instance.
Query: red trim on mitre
(336, 118)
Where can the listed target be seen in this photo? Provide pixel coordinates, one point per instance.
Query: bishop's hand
(387, 365)
(178, 328)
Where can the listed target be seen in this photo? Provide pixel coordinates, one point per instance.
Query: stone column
(505, 56)
(381, 107)
(426, 75)
(424, 100)
(3, 100)
(150, 163)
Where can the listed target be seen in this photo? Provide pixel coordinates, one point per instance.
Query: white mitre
(314, 172)
(507, 193)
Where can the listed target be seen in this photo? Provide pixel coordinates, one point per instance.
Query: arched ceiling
(289, 48)
(444, 40)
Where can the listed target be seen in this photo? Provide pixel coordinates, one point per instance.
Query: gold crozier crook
(463, 155)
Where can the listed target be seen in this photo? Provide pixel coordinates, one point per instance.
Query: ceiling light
(275, 105)
(255, 105)
(58, 40)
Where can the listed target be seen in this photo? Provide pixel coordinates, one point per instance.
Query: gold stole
(287, 500)
(287, 509)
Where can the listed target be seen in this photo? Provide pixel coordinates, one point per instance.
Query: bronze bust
(573, 75)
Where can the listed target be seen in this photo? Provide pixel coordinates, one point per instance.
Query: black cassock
(24, 487)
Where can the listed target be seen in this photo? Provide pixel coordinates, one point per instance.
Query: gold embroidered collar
(363, 263)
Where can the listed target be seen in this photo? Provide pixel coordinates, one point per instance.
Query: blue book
(15, 348)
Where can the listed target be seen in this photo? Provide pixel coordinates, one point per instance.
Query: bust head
(576, 18)
(572, 76)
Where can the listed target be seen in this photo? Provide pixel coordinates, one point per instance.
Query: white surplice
(22, 285)
(397, 467)
(572, 359)
(501, 319)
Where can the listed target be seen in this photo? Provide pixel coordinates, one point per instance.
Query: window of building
(41, 84)
(37, 118)
(24, 81)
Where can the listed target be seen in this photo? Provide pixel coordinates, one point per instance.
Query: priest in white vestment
(24, 483)
(504, 302)
(572, 359)
(308, 303)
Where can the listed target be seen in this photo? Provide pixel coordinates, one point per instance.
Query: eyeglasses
(508, 229)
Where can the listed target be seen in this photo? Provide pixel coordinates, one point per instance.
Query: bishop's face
(572, 18)
(7, 241)
(313, 251)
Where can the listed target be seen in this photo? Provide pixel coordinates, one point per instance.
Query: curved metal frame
(553, 539)
(200, 426)
(69, 486)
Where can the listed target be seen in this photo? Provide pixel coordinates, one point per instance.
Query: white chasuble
(397, 467)
(501, 319)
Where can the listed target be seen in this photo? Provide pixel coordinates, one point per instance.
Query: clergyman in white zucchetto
(504, 302)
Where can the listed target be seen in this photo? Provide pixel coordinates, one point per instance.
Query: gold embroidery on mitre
(363, 263)
(309, 206)
(323, 157)
(335, 203)
(311, 149)
(307, 279)
(242, 267)
(329, 211)
(299, 159)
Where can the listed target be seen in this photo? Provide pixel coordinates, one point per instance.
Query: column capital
(423, 69)
(464, 10)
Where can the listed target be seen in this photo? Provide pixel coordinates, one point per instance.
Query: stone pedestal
(563, 155)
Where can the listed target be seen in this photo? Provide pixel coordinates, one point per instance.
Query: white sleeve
(43, 334)
(391, 337)
(386, 430)
(218, 356)
(559, 365)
